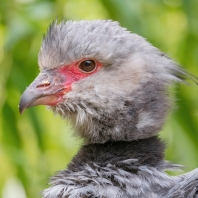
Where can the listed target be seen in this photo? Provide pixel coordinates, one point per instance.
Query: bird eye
(87, 66)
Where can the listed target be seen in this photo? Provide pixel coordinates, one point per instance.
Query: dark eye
(87, 66)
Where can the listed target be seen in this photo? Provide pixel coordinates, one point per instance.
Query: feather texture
(118, 111)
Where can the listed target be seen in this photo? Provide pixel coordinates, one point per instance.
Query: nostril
(44, 83)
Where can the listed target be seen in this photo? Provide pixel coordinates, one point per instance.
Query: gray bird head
(111, 83)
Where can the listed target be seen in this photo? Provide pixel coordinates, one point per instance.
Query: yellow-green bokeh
(35, 145)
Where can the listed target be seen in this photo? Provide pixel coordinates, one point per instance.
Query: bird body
(112, 85)
(117, 169)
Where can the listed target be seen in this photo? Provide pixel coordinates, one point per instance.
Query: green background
(35, 145)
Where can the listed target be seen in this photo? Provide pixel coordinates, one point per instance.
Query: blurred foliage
(36, 144)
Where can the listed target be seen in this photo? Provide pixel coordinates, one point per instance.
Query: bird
(114, 87)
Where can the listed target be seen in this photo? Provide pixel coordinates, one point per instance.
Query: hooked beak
(46, 89)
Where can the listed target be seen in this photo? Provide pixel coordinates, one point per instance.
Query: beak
(48, 88)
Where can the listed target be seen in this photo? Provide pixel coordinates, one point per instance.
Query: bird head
(111, 83)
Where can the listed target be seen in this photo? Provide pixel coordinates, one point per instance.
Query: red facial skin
(50, 86)
(73, 74)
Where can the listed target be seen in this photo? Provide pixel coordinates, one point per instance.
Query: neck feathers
(136, 116)
(121, 154)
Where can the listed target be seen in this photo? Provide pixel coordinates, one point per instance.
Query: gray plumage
(134, 79)
(118, 111)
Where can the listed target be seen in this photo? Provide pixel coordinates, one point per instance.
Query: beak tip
(25, 100)
(21, 110)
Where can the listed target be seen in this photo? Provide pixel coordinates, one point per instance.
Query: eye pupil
(87, 63)
(87, 66)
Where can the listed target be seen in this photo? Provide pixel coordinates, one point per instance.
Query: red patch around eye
(72, 72)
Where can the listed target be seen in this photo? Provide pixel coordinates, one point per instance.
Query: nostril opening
(44, 83)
